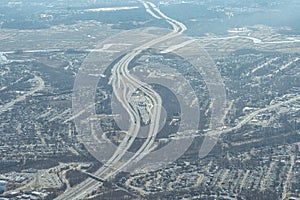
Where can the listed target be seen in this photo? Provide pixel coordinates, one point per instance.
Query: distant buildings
(2, 186)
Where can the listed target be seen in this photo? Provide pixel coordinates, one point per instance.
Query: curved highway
(122, 80)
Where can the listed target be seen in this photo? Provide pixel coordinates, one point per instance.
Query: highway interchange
(122, 80)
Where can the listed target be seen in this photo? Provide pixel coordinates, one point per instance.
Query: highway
(123, 86)
(122, 82)
(148, 10)
(122, 79)
(177, 26)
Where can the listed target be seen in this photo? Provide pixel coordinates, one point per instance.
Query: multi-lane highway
(124, 84)
(122, 81)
